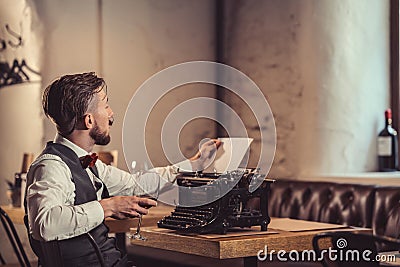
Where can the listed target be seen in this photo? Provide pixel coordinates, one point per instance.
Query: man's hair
(67, 99)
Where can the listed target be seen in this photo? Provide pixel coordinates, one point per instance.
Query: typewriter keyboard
(183, 217)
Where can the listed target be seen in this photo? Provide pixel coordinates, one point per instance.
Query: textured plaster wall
(262, 41)
(323, 66)
(348, 76)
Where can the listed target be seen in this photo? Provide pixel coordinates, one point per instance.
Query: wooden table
(245, 243)
(119, 227)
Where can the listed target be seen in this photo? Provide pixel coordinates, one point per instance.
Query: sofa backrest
(386, 211)
(297, 199)
(349, 204)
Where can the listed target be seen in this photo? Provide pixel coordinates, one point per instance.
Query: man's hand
(206, 155)
(121, 207)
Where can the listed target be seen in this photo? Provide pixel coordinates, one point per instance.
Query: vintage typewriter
(235, 205)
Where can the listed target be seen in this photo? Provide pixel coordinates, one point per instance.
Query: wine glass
(138, 235)
(151, 195)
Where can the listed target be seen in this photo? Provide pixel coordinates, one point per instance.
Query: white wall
(20, 115)
(143, 37)
(71, 42)
(136, 39)
(351, 61)
(324, 68)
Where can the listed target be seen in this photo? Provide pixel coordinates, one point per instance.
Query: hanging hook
(16, 35)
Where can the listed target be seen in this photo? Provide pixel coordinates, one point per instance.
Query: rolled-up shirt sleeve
(50, 202)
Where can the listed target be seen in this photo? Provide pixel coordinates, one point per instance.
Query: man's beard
(99, 138)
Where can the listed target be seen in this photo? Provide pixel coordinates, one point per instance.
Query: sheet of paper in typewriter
(231, 155)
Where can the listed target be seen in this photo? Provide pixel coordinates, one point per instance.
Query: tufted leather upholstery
(349, 204)
(297, 199)
(386, 219)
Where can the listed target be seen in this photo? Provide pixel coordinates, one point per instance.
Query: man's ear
(89, 121)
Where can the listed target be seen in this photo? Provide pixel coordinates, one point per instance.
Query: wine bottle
(387, 146)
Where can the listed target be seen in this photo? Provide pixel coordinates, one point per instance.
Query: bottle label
(384, 146)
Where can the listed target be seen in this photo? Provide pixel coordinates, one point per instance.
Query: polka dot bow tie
(88, 160)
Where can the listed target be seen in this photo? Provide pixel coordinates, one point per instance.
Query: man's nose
(110, 117)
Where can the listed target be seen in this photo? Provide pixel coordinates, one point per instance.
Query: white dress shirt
(51, 193)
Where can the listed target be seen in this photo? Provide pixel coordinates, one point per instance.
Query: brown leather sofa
(370, 206)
